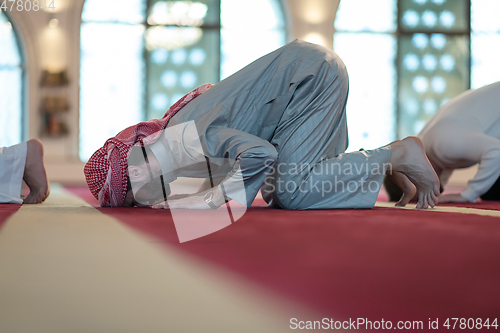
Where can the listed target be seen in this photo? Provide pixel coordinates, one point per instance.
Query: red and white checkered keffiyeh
(106, 171)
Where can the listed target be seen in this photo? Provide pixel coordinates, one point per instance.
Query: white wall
(52, 49)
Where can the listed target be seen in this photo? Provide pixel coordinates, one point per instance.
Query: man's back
(481, 106)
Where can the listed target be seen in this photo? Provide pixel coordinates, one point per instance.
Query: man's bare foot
(408, 157)
(34, 173)
(405, 185)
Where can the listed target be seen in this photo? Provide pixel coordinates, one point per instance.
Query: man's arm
(250, 156)
(207, 184)
(474, 146)
(487, 174)
(251, 159)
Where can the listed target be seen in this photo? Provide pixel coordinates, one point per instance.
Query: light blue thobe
(282, 121)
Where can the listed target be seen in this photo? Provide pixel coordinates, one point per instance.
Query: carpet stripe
(445, 209)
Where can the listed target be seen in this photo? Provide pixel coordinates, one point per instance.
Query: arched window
(406, 58)
(139, 57)
(11, 85)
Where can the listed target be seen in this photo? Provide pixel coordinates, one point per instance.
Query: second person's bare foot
(34, 173)
(408, 157)
(405, 185)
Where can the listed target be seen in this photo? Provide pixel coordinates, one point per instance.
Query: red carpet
(6, 210)
(376, 264)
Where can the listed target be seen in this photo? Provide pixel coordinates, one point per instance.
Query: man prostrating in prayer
(278, 125)
(462, 133)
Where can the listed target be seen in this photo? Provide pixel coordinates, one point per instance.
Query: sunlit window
(433, 66)
(485, 42)
(368, 48)
(182, 50)
(250, 29)
(139, 57)
(11, 82)
(112, 70)
(406, 58)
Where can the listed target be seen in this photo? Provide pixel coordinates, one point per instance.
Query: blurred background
(77, 72)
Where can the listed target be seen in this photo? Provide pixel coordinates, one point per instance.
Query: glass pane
(9, 55)
(435, 15)
(250, 29)
(124, 11)
(174, 72)
(366, 15)
(485, 54)
(251, 14)
(484, 16)
(10, 85)
(432, 71)
(111, 82)
(372, 86)
(184, 13)
(239, 48)
(10, 106)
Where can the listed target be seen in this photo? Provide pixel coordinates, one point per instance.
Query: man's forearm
(207, 184)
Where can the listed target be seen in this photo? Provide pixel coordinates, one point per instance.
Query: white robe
(12, 163)
(464, 132)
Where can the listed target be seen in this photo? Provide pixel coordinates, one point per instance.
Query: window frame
(143, 109)
(399, 33)
(203, 27)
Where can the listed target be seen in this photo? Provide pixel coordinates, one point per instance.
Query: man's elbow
(263, 153)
